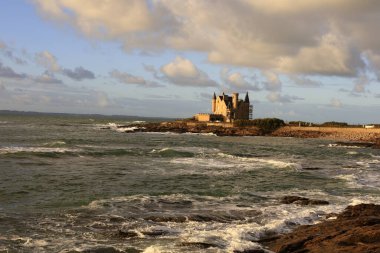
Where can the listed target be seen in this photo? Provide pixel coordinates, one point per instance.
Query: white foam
(351, 180)
(153, 249)
(221, 163)
(203, 134)
(35, 243)
(334, 145)
(54, 143)
(365, 200)
(11, 150)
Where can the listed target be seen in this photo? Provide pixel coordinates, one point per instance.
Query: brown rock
(377, 143)
(302, 201)
(355, 230)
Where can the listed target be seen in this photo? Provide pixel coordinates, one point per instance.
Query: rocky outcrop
(183, 127)
(355, 230)
(302, 201)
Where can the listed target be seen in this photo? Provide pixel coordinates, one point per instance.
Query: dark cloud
(277, 97)
(8, 72)
(78, 74)
(9, 54)
(127, 78)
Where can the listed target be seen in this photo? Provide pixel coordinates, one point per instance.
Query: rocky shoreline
(342, 136)
(356, 229)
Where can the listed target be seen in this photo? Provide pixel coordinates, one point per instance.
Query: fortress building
(227, 109)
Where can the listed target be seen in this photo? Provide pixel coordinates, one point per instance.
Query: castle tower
(235, 99)
(213, 103)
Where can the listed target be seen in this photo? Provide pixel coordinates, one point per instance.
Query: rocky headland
(184, 127)
(342, 136)
(355, 230)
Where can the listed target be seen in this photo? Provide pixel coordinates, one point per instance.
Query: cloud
(331, 56)
(374, 63)
(329, 35)
(48, 60)
(360, 84)
(273, 82)
(78, 74)
(237, 82)
(183, 72)
(7, 72)
(47, 78)
(336, 103)
(303, 81)
(276, 97)
(127, 78)
(7, 52)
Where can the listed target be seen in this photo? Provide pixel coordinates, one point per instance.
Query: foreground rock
(355, 230)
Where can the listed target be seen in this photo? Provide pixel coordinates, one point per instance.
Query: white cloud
(127, 78)
(330, 56)
(183, 72)
(48, 60)
(313, 37)
(237, 82)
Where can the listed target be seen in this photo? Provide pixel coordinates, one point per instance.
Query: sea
(72, 183)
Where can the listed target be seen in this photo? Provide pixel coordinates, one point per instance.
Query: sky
(310, 60)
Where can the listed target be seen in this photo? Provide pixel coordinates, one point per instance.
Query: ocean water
(80, 184)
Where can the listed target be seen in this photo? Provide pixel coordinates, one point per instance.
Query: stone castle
(227, 109)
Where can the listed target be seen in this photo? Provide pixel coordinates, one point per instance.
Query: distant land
(128, 117)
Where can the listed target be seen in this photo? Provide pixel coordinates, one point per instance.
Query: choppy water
(69, 185)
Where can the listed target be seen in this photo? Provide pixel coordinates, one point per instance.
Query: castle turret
(246, 100)
(213, 103)
(235, 99)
